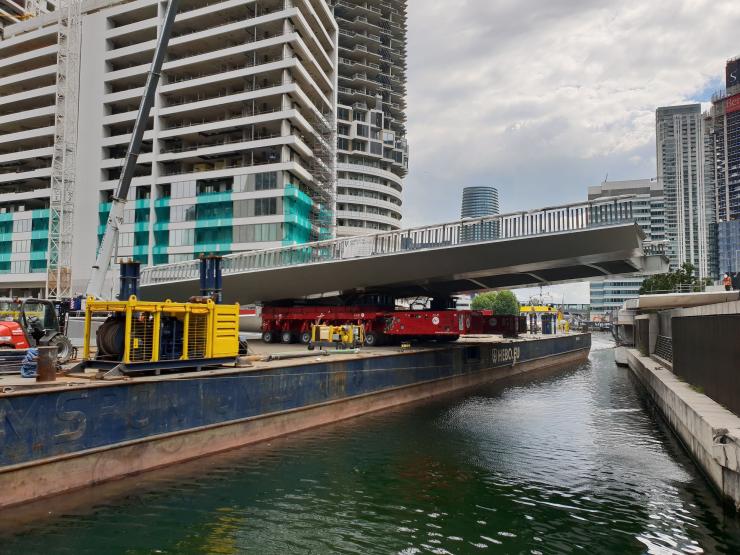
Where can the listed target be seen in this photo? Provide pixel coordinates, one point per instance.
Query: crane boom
(115, 218)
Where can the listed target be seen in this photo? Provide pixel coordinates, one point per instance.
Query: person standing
(727, 282)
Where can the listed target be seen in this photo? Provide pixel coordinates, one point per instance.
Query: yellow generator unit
(140, 336)
(345, 336)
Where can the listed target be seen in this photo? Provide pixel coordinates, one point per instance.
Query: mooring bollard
(47, 364)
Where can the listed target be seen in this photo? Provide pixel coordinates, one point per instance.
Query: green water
(571, 462)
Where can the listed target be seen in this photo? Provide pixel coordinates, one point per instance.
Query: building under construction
(239, 153)
(14, 11)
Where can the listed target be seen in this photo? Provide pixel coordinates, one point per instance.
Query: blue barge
(71, 435)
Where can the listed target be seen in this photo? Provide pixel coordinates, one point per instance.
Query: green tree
(506, 304)
(484, 301)
(680, 279)
(501, 302)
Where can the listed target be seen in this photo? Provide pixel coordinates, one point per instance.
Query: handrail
(526, 223)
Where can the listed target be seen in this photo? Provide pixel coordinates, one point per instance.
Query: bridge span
(552, 245)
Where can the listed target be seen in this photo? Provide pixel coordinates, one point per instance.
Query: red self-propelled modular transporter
(289, 324)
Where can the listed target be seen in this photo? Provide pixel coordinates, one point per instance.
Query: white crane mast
(64, 159)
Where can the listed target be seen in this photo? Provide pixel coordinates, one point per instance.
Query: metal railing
(529, 223)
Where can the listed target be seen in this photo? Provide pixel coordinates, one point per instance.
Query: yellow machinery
(345, 336)
(141, 336)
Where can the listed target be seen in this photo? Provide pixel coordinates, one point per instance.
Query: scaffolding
(322, 166)
(64, 159)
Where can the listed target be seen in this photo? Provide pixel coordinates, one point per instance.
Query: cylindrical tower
(478, 202)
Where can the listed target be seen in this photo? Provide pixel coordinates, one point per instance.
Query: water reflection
(564, 462)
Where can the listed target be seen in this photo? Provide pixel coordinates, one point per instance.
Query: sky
(543, 98)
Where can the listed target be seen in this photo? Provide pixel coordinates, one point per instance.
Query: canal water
(573, 461)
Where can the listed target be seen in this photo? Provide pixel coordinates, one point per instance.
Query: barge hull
(348, 389)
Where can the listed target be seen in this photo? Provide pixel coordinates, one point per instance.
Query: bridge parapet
(529, 223)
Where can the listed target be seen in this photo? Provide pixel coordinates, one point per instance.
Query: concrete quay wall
(710, 432)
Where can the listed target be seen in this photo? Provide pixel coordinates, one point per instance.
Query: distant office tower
(648, 211)
(689, 200)
(722, 151)
(479, 201)
(372, 154)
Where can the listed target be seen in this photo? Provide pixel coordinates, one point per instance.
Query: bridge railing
(528, 223)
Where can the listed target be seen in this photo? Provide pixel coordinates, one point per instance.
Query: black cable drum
(110, 338)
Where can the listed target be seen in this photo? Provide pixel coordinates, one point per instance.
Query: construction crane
(118, 203)
(64, 157)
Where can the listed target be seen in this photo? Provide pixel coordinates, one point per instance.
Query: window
(342, 143)
(343, 113)
(265, 181)
(182, 237)
(265, 206)
(182, 213)
(215, 186)
(343, 129)
(183, 189)
(22, 246)
(22, 226)
(20, 267)
(257, 233)
(363, 130)
(126, 240)
(359, 116)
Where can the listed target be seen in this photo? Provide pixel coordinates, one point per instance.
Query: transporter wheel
(373, 339)
(305, 337)
(286, 337)
(268, 336)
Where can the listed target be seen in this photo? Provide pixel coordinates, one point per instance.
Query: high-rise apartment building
(689, 199)
(722, 144)
(372, 155)
(240, 149)
(478, 202)
(647, 209)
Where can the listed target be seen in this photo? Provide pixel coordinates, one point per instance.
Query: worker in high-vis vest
(727, 282)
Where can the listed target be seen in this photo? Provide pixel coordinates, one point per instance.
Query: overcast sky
(542, 98)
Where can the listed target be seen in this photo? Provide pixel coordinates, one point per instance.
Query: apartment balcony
(393, 190)
(9, 140)
(24, 154)
(394, 223)
(375, 170)
(32, 79)
(29, 176)
(369, 201)
(28, 119)
(29, 60)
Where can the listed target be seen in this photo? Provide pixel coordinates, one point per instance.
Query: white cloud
(543, 97)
